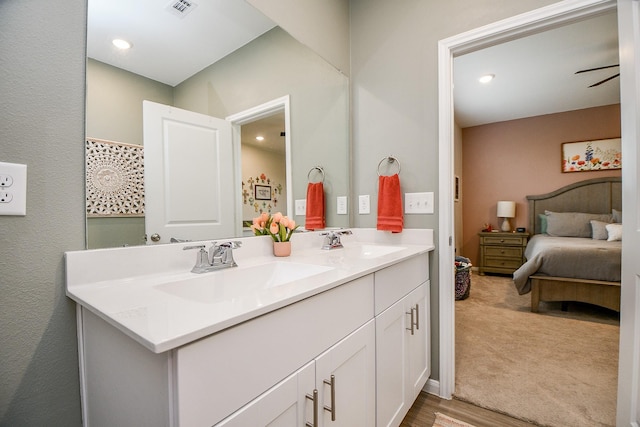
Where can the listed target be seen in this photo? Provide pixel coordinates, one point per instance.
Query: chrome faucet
(218, 257)
(332, 239)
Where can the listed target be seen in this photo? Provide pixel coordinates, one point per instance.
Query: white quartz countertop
(150, 294)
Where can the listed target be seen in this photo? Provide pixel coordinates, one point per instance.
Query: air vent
(181, 8)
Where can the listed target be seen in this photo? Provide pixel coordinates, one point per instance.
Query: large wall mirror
(264, 64)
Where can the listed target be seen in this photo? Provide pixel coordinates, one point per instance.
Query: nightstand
(501, 252)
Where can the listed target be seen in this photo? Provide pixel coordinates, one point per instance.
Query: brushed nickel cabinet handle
(314, 399)
(412, 321)
(332, 384)
(417, 317)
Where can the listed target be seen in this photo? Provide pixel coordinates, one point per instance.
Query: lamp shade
(506, 209)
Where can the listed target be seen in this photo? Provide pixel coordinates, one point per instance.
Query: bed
(577, 268)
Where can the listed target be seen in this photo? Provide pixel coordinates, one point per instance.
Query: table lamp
(506, 210)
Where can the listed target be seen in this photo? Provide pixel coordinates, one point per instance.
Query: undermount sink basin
(236, 282)
(371, 251)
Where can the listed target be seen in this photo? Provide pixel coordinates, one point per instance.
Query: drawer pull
(314, 399)
(332, 409)
(412, 320)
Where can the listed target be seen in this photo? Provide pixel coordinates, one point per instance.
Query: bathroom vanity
(338, 337)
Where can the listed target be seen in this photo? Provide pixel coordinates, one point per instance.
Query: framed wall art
(584, 156)
(263, 192)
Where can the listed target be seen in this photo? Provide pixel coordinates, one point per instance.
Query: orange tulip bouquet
(278, 226)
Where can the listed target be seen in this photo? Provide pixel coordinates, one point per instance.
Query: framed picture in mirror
(263, 192)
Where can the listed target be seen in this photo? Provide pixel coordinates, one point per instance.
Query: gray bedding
(575, 257)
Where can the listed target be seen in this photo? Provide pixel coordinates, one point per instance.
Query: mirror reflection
(268, 67)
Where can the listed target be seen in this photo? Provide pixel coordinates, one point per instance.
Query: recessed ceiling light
(260, 138)
(486, 78)
(121, 44)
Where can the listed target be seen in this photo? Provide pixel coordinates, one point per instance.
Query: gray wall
(42, 51)
(394, 84)
(272, 66)
(323, 25)
(114, 96)
(114, 102)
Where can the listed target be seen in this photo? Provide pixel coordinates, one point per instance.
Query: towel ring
(318, 168)
(390, 159)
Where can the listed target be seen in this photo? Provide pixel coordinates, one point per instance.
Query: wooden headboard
(597, 195)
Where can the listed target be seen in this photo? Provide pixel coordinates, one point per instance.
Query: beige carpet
(552, 368)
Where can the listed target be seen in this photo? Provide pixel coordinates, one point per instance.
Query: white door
(188, 175)
(628, 413)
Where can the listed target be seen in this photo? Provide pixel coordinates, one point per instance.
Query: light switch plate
(364, 204)
(342, 205)
(13, 189)
(301, 207)
(418, 203)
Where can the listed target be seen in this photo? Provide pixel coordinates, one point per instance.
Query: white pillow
(614, 231)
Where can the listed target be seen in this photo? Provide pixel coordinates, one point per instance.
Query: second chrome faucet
(332, 239)
(218, 257)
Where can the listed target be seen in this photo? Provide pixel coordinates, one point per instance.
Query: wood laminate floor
(422, 413)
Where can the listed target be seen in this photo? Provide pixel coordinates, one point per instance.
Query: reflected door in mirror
(188, 174)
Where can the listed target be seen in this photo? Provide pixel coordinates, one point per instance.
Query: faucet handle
(186, 248)
(202, 259)
(231, 244)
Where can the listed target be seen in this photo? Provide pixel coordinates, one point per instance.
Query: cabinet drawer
(219, 374)
(396, 281)
(512, 263)
(501, 240)
(503, 251)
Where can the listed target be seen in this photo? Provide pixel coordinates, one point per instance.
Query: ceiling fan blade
(605, 80)
(597, 68)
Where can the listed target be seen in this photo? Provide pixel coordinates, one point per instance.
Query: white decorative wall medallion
(115, 178)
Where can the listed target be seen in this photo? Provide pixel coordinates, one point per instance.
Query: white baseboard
(432, 387)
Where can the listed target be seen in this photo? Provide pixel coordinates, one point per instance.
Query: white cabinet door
(402, 355)
(351, 362)
(281, 406)
(418, 344)
(391, 348)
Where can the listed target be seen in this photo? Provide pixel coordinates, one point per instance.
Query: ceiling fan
(600, 68)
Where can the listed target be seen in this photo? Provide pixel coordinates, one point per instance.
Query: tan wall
(510, 160)
(254, 163)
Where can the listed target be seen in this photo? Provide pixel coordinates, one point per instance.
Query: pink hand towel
(390, 204)
(315, 206)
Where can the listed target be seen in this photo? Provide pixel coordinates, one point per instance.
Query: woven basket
(463, 282)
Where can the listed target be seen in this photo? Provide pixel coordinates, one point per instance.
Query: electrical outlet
(342, 205)
(5, 197)
(5, 181)
(301, 207)
(13, 189)
(364, 204)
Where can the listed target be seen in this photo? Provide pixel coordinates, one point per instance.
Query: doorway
(263, 160)
(505, 30)
(270, 108)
